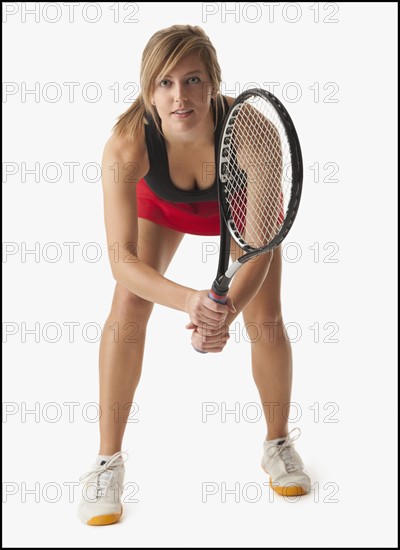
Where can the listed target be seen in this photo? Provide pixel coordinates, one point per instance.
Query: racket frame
(220, 286)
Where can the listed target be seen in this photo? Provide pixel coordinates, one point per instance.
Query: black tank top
(158, 177)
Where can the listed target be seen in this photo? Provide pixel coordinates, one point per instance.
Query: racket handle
(220, 299)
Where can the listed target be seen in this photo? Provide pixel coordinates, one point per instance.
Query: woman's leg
(123, 338)
(270, 350)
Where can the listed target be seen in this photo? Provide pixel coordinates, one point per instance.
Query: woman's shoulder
(126, 147)
(123, 148)
(229, 100)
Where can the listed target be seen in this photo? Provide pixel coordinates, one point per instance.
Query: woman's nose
(180, 93)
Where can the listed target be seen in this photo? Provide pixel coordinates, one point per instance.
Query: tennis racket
(259, 177)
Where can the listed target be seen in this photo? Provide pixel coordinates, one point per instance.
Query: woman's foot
(102, 491)
(285, 467)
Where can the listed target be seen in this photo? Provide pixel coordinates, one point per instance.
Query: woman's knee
(268, 327)
(130, 306)
(263, 313)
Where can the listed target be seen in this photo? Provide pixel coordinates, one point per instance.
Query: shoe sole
(286, 491)
(106, 519)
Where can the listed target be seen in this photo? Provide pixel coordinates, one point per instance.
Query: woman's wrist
(189, 294)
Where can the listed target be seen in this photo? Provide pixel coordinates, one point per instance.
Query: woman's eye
(192, 80)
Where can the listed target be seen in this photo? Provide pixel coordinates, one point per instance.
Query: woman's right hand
(203, 310)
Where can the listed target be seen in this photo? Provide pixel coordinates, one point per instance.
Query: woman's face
(182, 97)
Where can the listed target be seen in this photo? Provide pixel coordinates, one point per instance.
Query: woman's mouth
(182, 113)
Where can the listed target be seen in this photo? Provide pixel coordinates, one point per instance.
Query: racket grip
(220, 299)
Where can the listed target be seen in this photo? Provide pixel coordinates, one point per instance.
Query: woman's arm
(247, 282)
(124, 164)
(244, 287)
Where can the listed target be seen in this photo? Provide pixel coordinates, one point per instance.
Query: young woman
(159, 183)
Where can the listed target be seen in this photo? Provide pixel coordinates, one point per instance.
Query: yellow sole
(289, 491)
(286, 491)
(107, 519)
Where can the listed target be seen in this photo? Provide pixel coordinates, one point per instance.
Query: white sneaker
(285, 467)
(102, 491)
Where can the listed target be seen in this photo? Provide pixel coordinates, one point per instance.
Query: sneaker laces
(284, 450)
(102, 474)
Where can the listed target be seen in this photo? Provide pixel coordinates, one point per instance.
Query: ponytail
(131, 122)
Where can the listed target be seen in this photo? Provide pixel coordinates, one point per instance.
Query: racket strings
(257, 172)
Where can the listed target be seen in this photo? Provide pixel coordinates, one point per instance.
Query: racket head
(260, 172)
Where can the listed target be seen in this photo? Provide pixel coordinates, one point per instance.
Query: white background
(344, 391)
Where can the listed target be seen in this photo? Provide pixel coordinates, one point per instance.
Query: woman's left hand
(209, 340)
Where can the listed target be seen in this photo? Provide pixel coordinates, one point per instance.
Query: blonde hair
(165, 49)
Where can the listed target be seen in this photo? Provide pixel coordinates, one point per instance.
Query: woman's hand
(211, 334)
(205, 313)
(206, 340)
